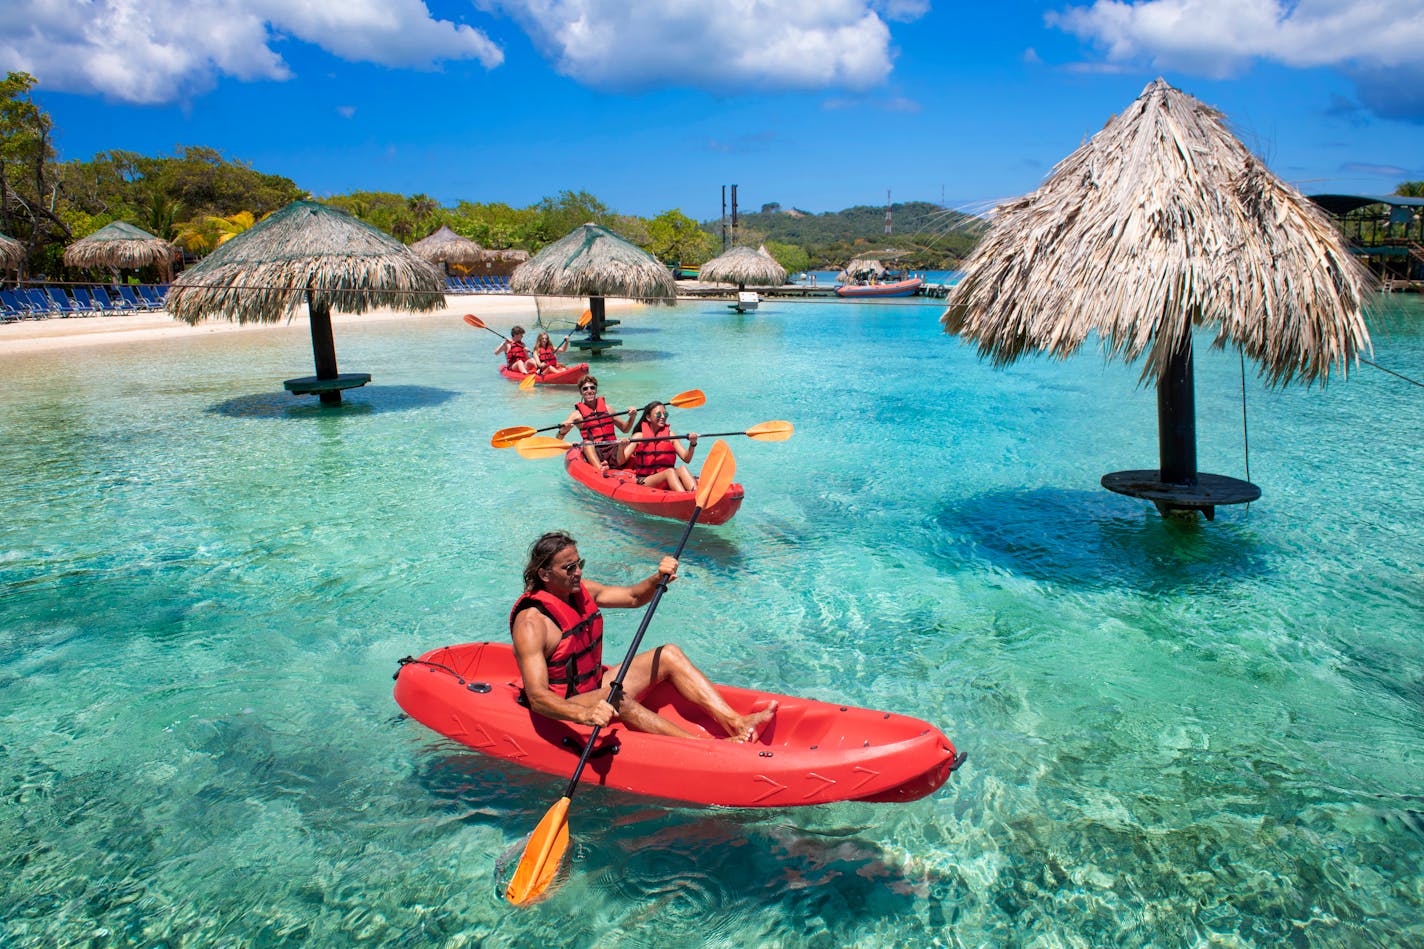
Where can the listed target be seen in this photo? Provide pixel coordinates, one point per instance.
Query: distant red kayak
(563, 376)
(809, 753)
(899, 288)
(622, 487)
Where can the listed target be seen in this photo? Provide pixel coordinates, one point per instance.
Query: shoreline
(79, 332)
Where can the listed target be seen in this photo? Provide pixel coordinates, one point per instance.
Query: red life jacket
(547, 355)
(577, 661)
(651, 457)
(515, 352)
(600, 430)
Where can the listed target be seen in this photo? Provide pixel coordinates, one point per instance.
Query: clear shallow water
(1177, 735)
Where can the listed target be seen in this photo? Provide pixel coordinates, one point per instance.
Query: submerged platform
(311, 385)
(1209, 491)
(604, 342)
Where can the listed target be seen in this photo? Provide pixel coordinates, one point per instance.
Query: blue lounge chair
(101, 296)
(62, 301)
(10, 308)
(85, 301)
(40, 302)
(150, 296)
(126, 292)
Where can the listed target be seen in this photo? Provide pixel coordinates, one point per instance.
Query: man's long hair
(540, 553)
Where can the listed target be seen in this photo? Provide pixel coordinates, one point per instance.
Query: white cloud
(719, 45)
(152, 51)
(1365, 39)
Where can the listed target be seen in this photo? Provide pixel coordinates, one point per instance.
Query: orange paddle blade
(475, 321)
(585, 318)
(541, 856)
(717, 473)
(506, 437)
(690, 399)
(771, 431)
(542, 446)
(528, 381)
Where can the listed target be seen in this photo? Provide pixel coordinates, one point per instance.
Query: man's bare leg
(671, 663)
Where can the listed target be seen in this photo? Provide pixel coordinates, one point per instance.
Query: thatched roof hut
(12, 253)
(861, 270)
(444, 246)
(593, 261)
(313, 254)
(1163, 221)
(1160, 222)
(744, 267)
(119, 245)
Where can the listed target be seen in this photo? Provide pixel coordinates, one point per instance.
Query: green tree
(676, 238)
(790, 256)
(28, 178)
(1410, 189)
(559, 215)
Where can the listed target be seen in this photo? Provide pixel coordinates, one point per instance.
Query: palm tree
(1410, 189)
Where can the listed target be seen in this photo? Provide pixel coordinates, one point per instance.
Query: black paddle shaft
(617, 688)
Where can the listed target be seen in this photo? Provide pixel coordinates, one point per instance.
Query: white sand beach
(56, 333)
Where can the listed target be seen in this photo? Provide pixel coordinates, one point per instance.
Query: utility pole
(887, 212)
(734, 215)
(724, 219)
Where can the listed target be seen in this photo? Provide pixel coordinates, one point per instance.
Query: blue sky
(655, 104)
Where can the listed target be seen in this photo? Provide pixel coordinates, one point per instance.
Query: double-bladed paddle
(508, 437)
(537, 446)
(550, 838)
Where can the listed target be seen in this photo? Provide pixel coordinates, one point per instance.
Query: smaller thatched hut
(119, 245)
(12, 253)
(745, 268)
(446, 247)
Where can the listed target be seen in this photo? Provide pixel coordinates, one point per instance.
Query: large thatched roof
(263, 274)
(12, 252)
(445, 246)
(119, 245)
(1162, 221)
(744, 267)
(592, 261)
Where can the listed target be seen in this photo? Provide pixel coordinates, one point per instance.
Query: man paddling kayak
(557, 628)
(596, 424)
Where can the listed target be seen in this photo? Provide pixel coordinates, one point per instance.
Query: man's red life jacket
(577, 661)
(600, 430)
(651, 457)
(515, 352)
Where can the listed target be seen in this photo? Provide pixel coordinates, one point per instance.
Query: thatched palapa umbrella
(119, 245)
(744, 267)
(307, 253)
(12, 253)
(444, 246)
(593, 261)
(1162, 222)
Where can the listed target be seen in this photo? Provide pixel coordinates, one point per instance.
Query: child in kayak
(596, 424)
(654, 459)
(516, 354)
(546, 354)
(557, 628)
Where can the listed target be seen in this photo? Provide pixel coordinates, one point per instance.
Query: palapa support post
(596, 341)
(328, 382)
(1176, 488)
(595, 328)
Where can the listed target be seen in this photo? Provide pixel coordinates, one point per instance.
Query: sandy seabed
(56, 333)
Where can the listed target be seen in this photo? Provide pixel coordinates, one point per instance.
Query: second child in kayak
(516, 354)
(557, 628)
(596, 424)
(654, 458)
(546, 354)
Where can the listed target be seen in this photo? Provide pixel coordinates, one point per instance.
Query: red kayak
(809, 753)
(562, 376)
(622, 486)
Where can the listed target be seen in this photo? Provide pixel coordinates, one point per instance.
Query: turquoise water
(1178, 735)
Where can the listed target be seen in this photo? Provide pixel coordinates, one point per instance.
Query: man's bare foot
(748, 727)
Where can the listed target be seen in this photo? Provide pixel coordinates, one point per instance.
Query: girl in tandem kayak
(557, 628)
(654, 455)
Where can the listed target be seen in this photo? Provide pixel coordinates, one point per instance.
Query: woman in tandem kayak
(654, 455)
(557, 629)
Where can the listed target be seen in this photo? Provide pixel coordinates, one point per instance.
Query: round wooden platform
(311, 385)
(606, 342)
(1209, 491)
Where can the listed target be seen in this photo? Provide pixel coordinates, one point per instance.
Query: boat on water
(891, 288)
(622, 487)
(562, 376)
(811, 752)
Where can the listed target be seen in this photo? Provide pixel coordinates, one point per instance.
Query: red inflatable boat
(809, 753)
(563, 376)
(623, 487)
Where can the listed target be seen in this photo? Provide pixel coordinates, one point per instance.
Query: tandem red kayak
(622, 486)
(563, 376)
(809, 753)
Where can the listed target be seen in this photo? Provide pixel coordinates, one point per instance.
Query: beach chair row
(477, 284)
(38, 303)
